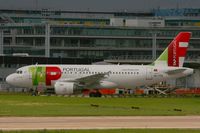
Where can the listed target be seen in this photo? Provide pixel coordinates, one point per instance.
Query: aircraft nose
(10, 79)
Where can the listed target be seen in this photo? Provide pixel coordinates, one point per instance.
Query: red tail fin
(177, 49)
(174, 54)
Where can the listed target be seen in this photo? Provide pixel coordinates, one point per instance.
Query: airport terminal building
(78, 37)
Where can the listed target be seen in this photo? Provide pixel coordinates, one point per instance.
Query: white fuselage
(119, 76)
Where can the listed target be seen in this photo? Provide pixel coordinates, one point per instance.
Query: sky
(98, 5)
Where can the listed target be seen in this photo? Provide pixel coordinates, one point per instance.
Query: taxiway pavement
(99, 122)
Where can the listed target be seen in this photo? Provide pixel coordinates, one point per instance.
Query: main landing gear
(95, 93)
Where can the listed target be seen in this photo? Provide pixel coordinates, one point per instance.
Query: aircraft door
(149, 74)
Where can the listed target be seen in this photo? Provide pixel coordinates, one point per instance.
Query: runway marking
(102, 122)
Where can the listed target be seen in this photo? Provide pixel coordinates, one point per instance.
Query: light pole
(1, 42)
(154, 36)
(47, 40)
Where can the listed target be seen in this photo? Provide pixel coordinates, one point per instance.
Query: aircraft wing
(91, 80)
(88, 81)
(176, 71)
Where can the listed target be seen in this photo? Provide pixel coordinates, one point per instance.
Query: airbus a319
(67, 79)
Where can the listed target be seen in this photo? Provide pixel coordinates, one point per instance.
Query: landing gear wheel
(95, 94)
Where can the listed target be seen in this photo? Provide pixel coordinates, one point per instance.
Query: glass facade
(94, 42)
(90, 34)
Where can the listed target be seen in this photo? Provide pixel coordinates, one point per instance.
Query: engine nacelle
(64, 88)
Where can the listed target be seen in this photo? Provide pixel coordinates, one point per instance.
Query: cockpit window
(19, 71)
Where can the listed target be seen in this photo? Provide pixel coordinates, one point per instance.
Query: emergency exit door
(149, 74)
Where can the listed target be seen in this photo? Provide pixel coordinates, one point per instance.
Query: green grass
(25, 105)
(111, 131)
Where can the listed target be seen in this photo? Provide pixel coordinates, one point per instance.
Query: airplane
(67, 79)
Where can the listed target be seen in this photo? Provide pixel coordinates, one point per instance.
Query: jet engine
(64, 88)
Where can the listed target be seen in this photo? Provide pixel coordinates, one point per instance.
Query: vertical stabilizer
(174, 54)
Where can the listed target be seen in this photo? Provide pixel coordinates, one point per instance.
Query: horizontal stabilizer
(176, 71)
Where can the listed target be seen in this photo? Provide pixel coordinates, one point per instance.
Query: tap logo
(44, 75)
